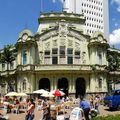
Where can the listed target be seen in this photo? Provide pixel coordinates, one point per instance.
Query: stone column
(52, 83)
(19, 57)
(73, 84)
(92, 82)
(70, 84)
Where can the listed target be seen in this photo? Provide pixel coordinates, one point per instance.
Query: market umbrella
(12, 94)
(21, 94)
(47, 95)
(41, 91)
(57, 93)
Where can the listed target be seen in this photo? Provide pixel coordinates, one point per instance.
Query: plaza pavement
(104, 111)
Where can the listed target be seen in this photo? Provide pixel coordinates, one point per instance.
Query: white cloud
(118, 3)
(116, 24)
(118, 9)
(115, 37)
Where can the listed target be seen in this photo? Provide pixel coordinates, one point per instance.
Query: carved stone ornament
(70, 43)
(54, 42)
(62, 42)
(63, 29)
(77, 46)
(83, 57)
(47, 45)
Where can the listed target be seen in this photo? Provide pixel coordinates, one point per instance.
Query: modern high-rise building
(95, 12)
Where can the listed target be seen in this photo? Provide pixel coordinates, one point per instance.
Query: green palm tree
(7, 56)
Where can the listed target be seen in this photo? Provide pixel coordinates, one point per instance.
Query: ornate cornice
(76, 18)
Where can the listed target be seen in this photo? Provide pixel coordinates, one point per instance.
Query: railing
(10, 72)
(25, 67)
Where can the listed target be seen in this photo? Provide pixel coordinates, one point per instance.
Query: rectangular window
(69, 51)
(3, 66)
(55, 51)
(100, 59)
(11, 65)
(77, 54)
(54, 60)
(69, 60)
(62, 51)
(47, 52)
(100, 83)
(24, 57)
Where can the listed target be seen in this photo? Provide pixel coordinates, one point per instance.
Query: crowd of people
(52, 109)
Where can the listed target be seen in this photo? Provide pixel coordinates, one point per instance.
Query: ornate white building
(59, 56)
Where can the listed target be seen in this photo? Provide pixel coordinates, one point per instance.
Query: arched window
(24, 57)
(100, 83)
(24, 85)
(100, 56)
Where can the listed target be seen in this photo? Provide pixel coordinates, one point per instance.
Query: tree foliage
(113, 62)
(7, 55)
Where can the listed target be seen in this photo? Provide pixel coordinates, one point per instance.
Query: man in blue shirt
(85, 106)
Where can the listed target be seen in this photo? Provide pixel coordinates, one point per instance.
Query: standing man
(85, 106)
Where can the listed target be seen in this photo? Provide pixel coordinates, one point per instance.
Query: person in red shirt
(30, 111)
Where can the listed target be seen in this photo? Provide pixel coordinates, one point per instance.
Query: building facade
(59, 56)
(95, 11)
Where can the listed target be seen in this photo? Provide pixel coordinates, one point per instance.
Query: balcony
(65, 67)
(11, 72)
(25, 67)
(57, 67)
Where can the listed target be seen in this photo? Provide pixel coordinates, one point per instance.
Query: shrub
(109, 117)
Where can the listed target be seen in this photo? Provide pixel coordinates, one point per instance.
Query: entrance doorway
(80, 87)
(44, 83)
(63, 85)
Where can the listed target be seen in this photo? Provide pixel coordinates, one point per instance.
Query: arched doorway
(44, 83)
(80, 87)
(63, 85)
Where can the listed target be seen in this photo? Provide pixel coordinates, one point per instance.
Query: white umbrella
(21, 94)
(12, 94)
(41, 91)
(47, 95)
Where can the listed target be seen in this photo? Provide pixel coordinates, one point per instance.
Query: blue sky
(16, 15)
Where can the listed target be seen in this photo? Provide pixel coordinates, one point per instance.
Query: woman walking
(30, 111)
